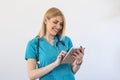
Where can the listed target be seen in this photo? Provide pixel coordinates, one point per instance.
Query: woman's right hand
(60, 57)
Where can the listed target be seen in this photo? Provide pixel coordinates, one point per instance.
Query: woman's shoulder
(33, 41)
(66, 38)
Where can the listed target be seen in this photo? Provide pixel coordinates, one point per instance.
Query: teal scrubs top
(48, 54)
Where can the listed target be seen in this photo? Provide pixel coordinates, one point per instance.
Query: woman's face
(54, 25)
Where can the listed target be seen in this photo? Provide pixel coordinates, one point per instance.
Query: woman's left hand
(78, 55)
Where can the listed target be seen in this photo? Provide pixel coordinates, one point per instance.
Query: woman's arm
(75, 66)
(35, 73)
(78, 56)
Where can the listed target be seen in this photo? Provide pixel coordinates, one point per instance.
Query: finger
(78, 56)
(63, 51)
(81, 55)
(78, 51)
(75, 56)
(82, 50)
(60, 57)
(63, 54)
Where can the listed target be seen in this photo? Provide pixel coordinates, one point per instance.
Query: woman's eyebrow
(58, 21)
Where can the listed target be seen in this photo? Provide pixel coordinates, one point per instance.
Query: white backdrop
(95, 24)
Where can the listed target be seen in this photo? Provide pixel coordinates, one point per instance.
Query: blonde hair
(52, 12)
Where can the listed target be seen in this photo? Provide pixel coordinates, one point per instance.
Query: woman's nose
(58, 26)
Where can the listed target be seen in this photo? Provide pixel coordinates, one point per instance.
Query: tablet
(68, 58)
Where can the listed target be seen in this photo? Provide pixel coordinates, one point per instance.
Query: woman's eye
(55, 22)
(61, 24)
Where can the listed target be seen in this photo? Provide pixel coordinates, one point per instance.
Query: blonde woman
(49, 48)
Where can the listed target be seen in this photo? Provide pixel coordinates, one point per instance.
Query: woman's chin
(54, 33)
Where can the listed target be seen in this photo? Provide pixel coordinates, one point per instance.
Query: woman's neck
(49, 37)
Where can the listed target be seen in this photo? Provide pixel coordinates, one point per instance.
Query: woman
(53, 45)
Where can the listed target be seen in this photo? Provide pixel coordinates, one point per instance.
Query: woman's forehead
(57, 18)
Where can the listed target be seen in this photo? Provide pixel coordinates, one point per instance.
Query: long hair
(52, 12)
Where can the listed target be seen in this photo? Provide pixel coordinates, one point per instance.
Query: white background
(95, 24)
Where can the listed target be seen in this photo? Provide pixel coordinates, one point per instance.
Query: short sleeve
(30, 50)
